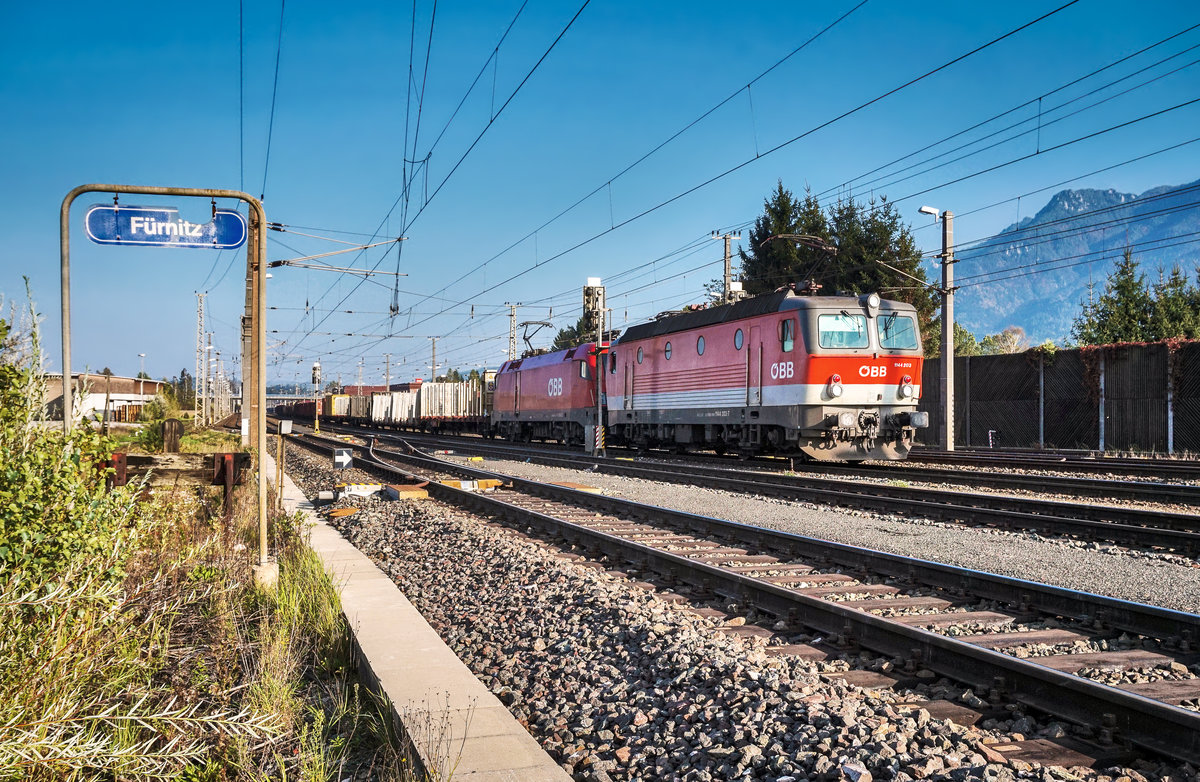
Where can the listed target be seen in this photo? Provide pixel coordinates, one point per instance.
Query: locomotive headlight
(835, 386)
(871, 302)
(906, 387)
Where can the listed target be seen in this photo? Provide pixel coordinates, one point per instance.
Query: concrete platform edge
(454, 724)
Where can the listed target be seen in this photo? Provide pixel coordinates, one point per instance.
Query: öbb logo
(869, 371)
(554, 387)
(783, 370)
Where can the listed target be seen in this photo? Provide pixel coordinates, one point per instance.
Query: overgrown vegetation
(133, 642)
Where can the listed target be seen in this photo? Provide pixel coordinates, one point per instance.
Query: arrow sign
(341, 458)
(161, 227)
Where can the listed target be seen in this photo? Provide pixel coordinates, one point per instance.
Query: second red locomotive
(547, 397)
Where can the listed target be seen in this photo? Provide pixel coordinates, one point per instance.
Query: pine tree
(572, 336)
(1176, 308)
(1122, 313)
(766, 267)
(866, 237)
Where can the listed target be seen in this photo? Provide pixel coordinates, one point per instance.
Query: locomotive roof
(747, 308)
(549, 359)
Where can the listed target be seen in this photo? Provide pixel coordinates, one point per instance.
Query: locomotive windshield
(842, 330)
(897, 332)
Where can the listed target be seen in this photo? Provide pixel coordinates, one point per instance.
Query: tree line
(1131, 310)
(864, 247)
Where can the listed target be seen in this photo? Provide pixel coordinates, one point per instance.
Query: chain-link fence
(1055, 401)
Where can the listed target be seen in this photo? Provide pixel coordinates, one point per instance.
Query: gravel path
(1145, 577)
(618, 684)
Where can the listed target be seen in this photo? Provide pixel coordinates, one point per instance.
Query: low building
(110, 398)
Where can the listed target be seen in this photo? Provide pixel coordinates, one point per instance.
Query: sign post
(107, 225)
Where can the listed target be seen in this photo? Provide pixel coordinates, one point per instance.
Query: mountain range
(1036, 273)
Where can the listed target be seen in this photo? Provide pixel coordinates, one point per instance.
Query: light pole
(141, 375)
(947, 291)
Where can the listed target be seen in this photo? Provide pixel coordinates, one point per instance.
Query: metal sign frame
(255, 378)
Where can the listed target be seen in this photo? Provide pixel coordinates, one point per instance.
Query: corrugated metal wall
(1135, 398)
(1003, 400)
(1072, 408)
(1187, 398)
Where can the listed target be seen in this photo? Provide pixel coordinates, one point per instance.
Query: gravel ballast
(619, 684)
(1159, 579)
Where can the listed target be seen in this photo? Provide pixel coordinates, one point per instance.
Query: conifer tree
(1176, 308)
(866, 236)
(1122, 312)
(766, 267)
(571, 336)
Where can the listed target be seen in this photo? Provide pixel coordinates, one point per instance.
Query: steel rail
(1149, 528)
(1164, 623)
(1144, 491)
(1064, 461)
(1152, 725)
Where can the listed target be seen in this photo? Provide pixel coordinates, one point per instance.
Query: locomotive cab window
(583, 369)
(667, 351)
(612, 363)
(787, 335)
(842, 330)
(897, 332)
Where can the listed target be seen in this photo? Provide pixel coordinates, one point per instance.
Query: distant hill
(1075, 238)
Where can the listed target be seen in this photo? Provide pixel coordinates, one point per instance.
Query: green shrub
(54, 508)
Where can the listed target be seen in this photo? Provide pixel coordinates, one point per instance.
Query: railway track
(1074, 486)
(1064, 461)
(966, 625)
(1138, 527)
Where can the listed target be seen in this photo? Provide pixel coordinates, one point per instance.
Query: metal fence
(1185, 399)
(1116, 398)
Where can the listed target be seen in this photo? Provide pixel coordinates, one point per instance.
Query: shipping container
(360, 408)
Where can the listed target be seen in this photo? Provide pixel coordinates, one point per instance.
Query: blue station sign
(161, 227)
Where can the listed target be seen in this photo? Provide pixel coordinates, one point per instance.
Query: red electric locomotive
(832, 377)
(547, 397)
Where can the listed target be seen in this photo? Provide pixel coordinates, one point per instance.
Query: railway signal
(593, 304)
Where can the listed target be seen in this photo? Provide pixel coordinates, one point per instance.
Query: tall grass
(133, 643)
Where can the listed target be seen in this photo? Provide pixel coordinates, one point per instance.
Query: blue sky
(148, 94)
